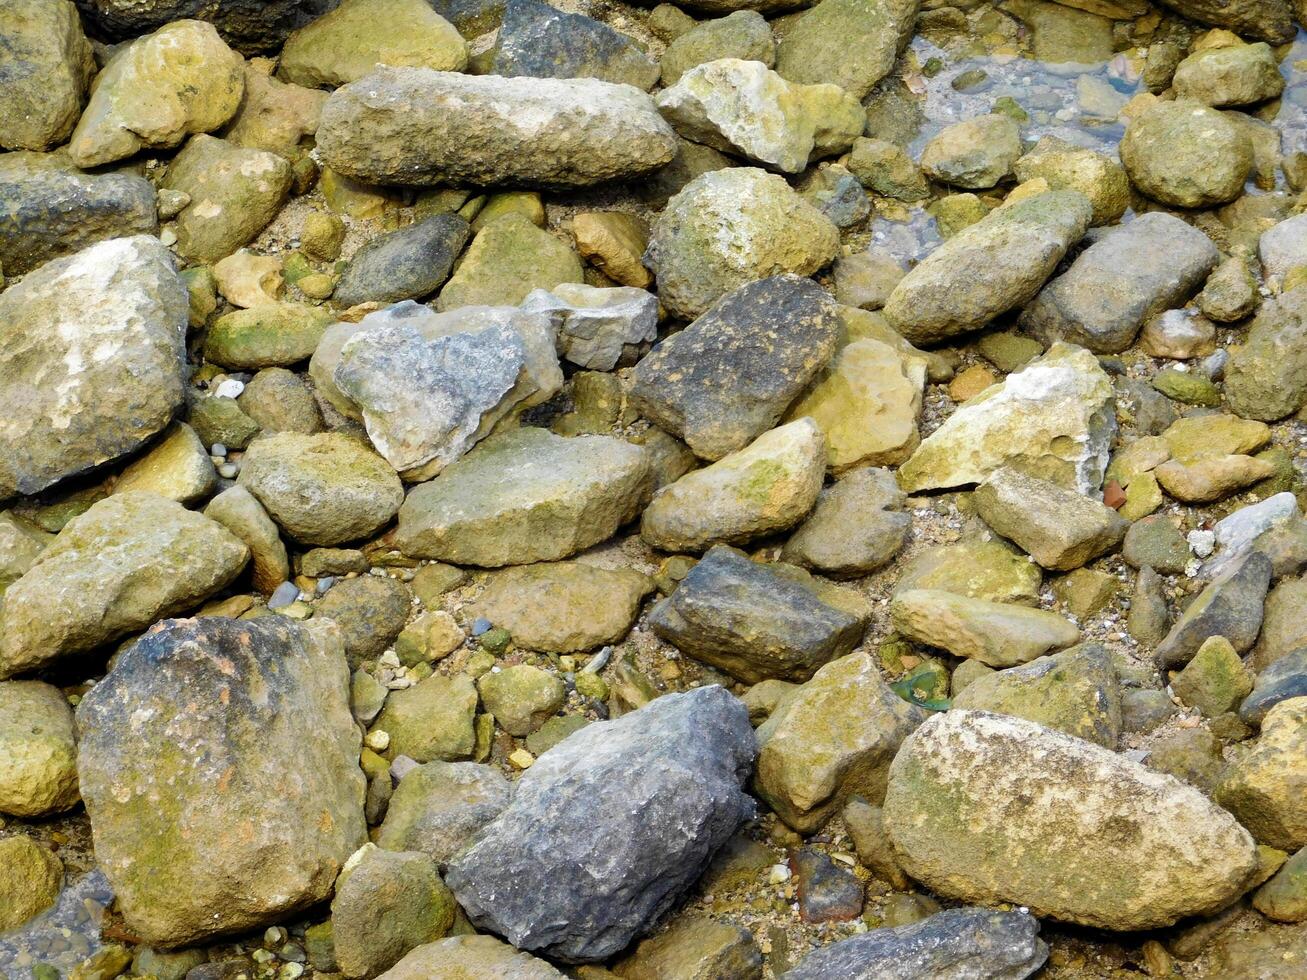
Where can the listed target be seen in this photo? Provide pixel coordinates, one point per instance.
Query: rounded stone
(1184, 154)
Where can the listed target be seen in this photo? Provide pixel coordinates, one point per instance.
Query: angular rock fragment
(1267, 375)
(1061, 529)
(1263, 788)
(596, 326)
(406, 264)
(994, 633)
(438, 807)
(856, 526)
(1231, 607)
(38, 750)
(871, 35)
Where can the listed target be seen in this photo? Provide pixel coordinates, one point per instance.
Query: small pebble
(283, 595)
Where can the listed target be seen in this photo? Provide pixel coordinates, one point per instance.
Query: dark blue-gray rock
(219, 765)
(964, 943)
(1232, 607)
(730, 375)
(1134, 272)
(250, 26)
(539, 40)
(610, 828)
(47, 211)
(1282, 680)
(754, 621)
(406, 264)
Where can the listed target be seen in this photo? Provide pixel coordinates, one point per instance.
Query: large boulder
(38, 750)
(92, 347)
(417, 126)
(251, 26)
(129, 560)
(48, 63)
(988, 808)
(240, 809)
(659, 791)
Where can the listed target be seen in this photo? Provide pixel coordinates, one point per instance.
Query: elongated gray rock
(990, 808)
(417, 126)
(92, 352)
(658, 791)
(251, 26)
(1060, 528)
(406, 264)
(219, 765)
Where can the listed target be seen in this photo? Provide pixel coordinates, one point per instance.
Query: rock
(416, 126)
(778, 332)
(755, 621)
(31, 878)
(323, 489)
(597, 326)
(182, 79)
(1157, 543)
(768, 486)
(856, 526)
(1184, 154)
(994, 633)
(866, 828)
(833, 738)
(1284, 897)
(276, 117)
(974, 154)
(745, 108)
(245, 279)
(220, 420)
(1060, 528)
(565, 495)
(1273, 953)
(1284, 679)
(872, 33)
(88, 589)
(670, 774)
(1281, 250)
(174, 829)
(1240, 74)
(49, 64)
(522, 697)
(1266, 20)
(1180, 334)
(1170, 853)
(978, 568)
(370, 611)
(177, 467)
(1189, 389)
(970, 942)
(614, 243)
(1133, 273)
(249, 26)
(269, 335)
(508, 259)
(1055, 417)
(348, 42)
(1074, 692)
(564, 607)
(991, 267)
(278, 400)
(540, 41)
(886, 169)
(743, 35)
(1068, 167)
(694, 947)
(237, 510)
(433, 720)
(48, 212)
(727, 228)
(1266, 377)
(21, 544)
(432, 636)
(97, 341)
(1231, 292)
(38, 750)
(1231, 607)
(1215, 680)
(1192, 755)
(235, 192)
(439, 807)
(461, 956)
(1263, 786)
(826, 891)
(406, 264)
(386, 904)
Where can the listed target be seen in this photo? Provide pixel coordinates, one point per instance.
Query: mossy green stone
(522, 697)
(272, 335)
(507, 259)
(1191, 389)
(1216, 680)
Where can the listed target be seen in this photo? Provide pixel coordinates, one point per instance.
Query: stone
(1187, 388)
(1173, 853)
(245, 279)
(440, 806)
(1231, 292)
(614, 243)
(1191, 755)
(278, 400)
(370, 611)
(743, 35)
(1284, 897)
(432, 720)
(30, 881)
(49, 212)
(1157, 543)
(1213, 435)
(970, 942)
(1266, 20)
(1236, 75)
(826, 890)
(239, 512)
(95, 342)
(1054, 418)
(1184, 154)
(177, 467)
(694, 947)
(406, 264)
(89, 589)
(508, 259)
(386, 904)
(1263, 786)
(866, 828)
(778, 332)
(182, 79)
(1211, 478)
(538, 40)
(220, 420)
(1065, 166)
(1075, 691)
(994, 633)
(754, 621)
(833, 738)
(38, 750)
(250, 27)
(564, 607)
(977, 568)
(565, 495)
(597, 326)
(1215, 680)
(433, 635)
(1179, 334)
(417, 126)
(856, 526)
(768, 486)
(1230, 607)
(323, 489)
(1133, 273)
(993, 266)
(1284, 679)
(277, 117)
(522, 697)
(1280, 249)
(1266, 377)
(184, 804)
(1060, 528)
(348, 42)
(671, 776)
(974, 154)
(727, 228)
(49, 64)
(873, 32)
(458, 956)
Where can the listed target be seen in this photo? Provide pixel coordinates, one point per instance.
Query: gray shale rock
(538, 40)
(1232, 607)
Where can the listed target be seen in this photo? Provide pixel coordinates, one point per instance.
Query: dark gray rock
(730, 375)
(1262, 20)
(752, 620)
(611, 826)
(963, 944)
(472, 17)
(1232, 607)
(437, 808)
(539, 40)
(406, 264)
(1284, 679)
(1134, 272)
(857, 526)
(250, 26)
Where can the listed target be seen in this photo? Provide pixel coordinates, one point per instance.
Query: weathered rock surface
(973, 154)
(597, 325)
(1060, 528)
(1233, 75)
(994, 633)
(979, 568)
(1267, 375)
(1065, 166)
(1099, 841)
(538, 40)
(1282, 680)
(32, 879)
(438, 807)
(406, 264)
(38, 750)
(458, 957)
(744, 34)
(432, 720)
(1264, 787)
(249, 25)
(197, 832)
(671, 776)
(871, 33)
(1265, 20)
(856, 526)
(694, 946)
(1184, 154)
(48, 63)
(1231, 606)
